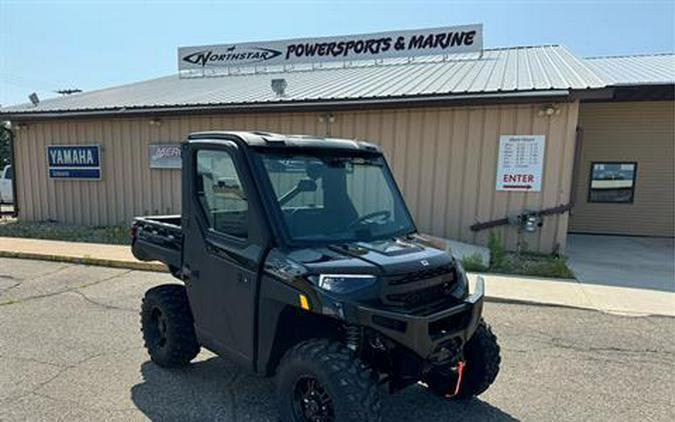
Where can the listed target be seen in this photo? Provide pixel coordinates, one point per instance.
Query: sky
(50, 45)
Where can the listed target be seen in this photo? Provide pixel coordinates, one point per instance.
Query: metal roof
(652, 69)
(495, 72)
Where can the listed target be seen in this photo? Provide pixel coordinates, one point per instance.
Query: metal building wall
(643, 132)
(444, 159)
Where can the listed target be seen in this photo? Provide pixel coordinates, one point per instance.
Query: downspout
(575, 167)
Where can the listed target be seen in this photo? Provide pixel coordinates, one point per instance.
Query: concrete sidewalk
(519, 289)
(571, 293)
(75, 252)
(625, 261)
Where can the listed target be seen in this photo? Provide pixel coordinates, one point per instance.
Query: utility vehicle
(300, 259)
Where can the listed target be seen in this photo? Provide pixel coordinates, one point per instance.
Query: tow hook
(459, 369)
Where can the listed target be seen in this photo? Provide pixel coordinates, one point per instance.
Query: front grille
(420, 297)
(420, 275)
(420, 293)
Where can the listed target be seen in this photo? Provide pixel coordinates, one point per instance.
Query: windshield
(335, 198)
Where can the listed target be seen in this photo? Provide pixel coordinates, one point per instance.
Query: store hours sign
(521, 162)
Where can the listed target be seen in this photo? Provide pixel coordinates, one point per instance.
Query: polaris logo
(231, 55)
(424, 263)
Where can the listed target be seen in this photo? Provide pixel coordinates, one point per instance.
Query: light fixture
(155, 121)
(548, 110)
(279, 86)
(34, 99)
(327, 117)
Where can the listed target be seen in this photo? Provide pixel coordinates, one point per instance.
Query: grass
(474, 263)
(117, 235)
(533, 264)
(520, 263)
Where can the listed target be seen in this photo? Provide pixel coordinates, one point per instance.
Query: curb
(508, 301)
(86, 260)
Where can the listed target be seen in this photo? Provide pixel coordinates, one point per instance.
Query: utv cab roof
(275, 140)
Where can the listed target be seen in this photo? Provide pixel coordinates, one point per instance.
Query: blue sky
(50, 45)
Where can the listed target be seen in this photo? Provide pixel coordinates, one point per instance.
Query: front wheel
(321, 381)
(482, 359)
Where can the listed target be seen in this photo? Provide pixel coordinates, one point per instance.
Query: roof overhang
(301, 106)
(628, 92)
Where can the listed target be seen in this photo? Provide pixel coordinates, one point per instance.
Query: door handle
(242, 278)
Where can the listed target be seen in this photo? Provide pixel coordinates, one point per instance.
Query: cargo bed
(158, 238)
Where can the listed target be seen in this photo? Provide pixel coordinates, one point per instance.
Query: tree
(5, 156)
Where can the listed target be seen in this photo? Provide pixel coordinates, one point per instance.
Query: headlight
(345, 283)
(462, 280)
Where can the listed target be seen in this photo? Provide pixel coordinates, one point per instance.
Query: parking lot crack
(12, 301)
(560, 343)
(33, 360)
(101, 304)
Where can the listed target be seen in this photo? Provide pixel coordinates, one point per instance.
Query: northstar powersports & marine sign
(413, 43)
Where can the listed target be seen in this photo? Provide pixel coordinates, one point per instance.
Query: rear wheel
(482, 358)
(321, 381)
(168, 327)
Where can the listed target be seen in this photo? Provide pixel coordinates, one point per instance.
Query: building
(606, 127)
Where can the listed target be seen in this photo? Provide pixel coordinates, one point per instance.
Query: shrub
(474, 263)
(497, 251)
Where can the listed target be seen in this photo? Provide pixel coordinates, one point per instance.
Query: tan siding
(444, 160)
(632, 131)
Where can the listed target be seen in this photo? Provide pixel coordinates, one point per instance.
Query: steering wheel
(380, 215)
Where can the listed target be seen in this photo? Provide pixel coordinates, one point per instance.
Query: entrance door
(221, 251)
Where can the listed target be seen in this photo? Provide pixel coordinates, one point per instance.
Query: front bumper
(426, 335)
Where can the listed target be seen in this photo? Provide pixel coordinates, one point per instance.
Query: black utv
(300, 259)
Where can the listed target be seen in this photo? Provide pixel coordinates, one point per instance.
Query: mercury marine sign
(383, 45)
(74, 161)
(165, 156)
(521, 162)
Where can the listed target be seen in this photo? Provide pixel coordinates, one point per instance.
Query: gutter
(320, 105)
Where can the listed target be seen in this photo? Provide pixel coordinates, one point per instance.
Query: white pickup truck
(6, 194)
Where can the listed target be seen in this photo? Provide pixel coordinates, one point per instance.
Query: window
(328, 197)
(220, 193)
(612, 182)
(292, 186)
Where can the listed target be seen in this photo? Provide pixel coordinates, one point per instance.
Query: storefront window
(612, 182)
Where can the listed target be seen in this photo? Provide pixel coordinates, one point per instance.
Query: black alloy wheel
(311, 401)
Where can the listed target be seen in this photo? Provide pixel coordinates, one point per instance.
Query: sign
(74, 161)
(520, 163)
(165, 156)
(413, 43)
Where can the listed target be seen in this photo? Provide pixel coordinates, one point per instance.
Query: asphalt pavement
(70, 349)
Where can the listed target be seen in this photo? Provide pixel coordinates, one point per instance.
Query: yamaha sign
(74, 161)
(413, 43)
